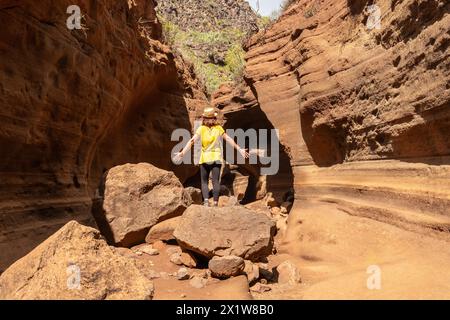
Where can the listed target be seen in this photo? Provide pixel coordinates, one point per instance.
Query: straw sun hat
(209, 112)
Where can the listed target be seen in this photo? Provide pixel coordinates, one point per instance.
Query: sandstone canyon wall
(75, 103)
(363, 113)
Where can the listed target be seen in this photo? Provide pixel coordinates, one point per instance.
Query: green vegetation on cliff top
(217, 56)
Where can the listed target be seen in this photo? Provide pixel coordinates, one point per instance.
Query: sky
(266, 6)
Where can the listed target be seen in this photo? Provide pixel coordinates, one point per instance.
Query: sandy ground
(335, 251)
(168, 287)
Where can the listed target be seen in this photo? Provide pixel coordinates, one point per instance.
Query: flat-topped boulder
(226, 231)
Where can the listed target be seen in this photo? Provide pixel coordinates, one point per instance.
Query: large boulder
(226, 231)
(137, 197)
(75, 263)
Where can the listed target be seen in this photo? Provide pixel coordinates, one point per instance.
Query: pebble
(260, 288)
(183, 274)
(198, 282)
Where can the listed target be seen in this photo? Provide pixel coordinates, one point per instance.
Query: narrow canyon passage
(363, 115)
(360, 204)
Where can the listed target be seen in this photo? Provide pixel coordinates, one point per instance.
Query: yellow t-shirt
(211, 148)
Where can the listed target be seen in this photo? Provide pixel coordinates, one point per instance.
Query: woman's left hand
(178, 156)
(244, 153)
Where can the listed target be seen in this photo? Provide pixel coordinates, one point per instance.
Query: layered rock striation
(363, 113)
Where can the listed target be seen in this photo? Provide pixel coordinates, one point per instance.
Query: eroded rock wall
(75, 103)
(364, 113)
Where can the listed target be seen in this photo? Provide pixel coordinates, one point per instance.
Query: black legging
(205, 170)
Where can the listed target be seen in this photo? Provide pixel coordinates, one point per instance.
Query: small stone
(288, 273)
(252, 271)
(183, 295)
(176, 259)
(183, 274)
(225, 267)
(260, 288)
(152, 274)
(172, 250)
(149, 250)
(188, 260)
(126, 252)
(202, 274)
(160, 245)
(198, 282)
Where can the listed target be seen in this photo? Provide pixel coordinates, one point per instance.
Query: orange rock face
(363, 113)
(77, 102)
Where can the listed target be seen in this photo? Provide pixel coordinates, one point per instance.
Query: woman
(210, 133)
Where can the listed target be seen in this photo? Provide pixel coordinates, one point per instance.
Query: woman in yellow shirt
(211, 134)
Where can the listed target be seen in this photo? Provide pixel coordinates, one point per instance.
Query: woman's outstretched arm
(230, 141)
(189, 145)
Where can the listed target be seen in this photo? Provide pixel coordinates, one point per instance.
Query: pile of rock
(144, 208)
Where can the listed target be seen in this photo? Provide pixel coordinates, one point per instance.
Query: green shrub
(264, 22)
(235, 60)
(210, 74)
(285, 4)
(312, 9)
